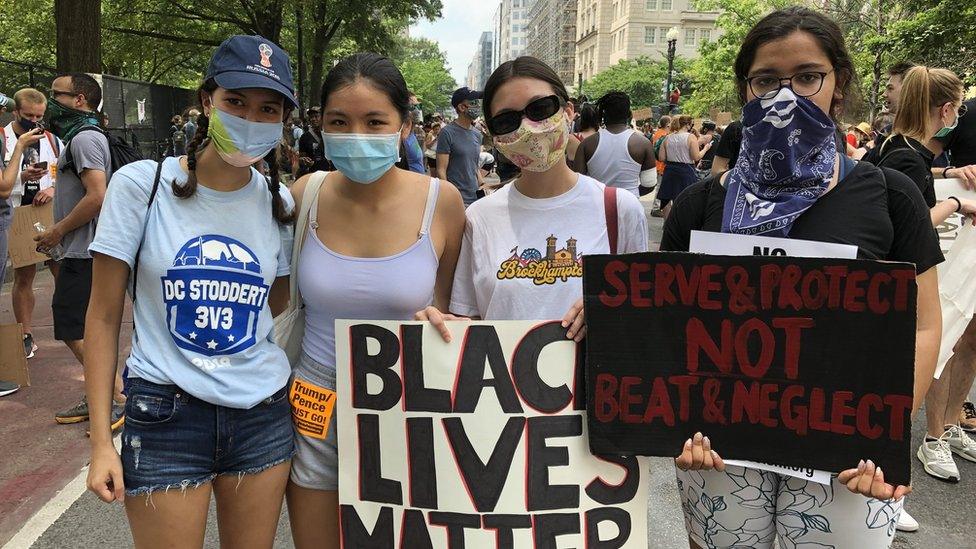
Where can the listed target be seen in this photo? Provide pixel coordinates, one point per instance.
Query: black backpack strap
(149, 203)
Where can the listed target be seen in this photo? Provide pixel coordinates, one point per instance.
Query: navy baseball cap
(252, 62)
(464, 94)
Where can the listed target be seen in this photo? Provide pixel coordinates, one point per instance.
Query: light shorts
(750, 508)
(316, 461)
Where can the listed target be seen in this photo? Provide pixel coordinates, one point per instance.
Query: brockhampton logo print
(561, 264)
(214, 294)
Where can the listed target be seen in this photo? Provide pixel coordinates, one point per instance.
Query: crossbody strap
(610, 211)
(145, 226)
(307, 214)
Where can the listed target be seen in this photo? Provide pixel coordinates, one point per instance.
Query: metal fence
(139, 112)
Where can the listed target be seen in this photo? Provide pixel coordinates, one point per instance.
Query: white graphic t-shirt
(205, 271)
(522, 258)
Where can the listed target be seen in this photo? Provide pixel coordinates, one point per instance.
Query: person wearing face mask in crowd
(33, 185)
(203, 243)
(459, 146)
(795, 60)
(382, 242)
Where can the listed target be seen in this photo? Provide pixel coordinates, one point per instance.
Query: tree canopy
(642, 79)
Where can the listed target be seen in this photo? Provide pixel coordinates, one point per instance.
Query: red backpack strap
(610, 210)
(54, 144)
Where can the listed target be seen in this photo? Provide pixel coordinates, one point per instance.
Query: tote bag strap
(309, 201)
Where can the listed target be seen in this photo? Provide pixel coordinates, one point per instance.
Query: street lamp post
(672, 37)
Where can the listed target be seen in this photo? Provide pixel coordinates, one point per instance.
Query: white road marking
(35, 527)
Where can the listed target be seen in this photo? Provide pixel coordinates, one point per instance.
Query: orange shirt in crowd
(661, 132)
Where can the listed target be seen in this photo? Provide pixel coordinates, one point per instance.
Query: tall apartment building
(513, 23)
(481, 64)
(612, 30)
(552, 36)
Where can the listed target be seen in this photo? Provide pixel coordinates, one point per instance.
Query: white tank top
(612, 164)
(677, 148)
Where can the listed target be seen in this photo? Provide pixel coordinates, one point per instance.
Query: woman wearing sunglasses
(792, 70)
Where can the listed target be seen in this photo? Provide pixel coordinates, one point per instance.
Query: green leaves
(642, 79)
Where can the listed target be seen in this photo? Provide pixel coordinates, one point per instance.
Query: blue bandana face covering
(785, 164)
(362, 158)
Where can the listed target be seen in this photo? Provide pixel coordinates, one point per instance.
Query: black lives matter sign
(793, 361)
(476, 443)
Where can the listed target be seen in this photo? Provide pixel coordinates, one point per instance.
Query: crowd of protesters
(409, 217)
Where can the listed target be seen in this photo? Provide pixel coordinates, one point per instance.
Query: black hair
(614, 107)
(783, 22)
(589, 117)
(522, 67)
(84, 84)
(189, 188)
(374, 68)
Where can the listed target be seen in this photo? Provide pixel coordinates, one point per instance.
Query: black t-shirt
(883, 214)
(728, 146)
(310, 146)
(706, 159)
(962, 141)
(910, 158)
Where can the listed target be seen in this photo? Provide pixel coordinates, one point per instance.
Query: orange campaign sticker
(311, 408)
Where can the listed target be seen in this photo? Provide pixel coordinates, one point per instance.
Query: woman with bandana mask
(792, 69)
(382, 242)
(210, 240)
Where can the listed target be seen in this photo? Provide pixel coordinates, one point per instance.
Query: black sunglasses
(536, 111)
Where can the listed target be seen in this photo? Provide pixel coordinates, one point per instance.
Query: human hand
(697, 454)
(105, 474)
(967, 209)
(31, 173)
(575, 322)
(29, 138)
(967, 174)
(438, 320)
(44, 196)
(868, 481)
(49, 238)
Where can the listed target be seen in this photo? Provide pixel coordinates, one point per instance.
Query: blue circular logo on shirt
(214, 294)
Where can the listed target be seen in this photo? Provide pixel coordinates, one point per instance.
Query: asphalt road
(942, 509)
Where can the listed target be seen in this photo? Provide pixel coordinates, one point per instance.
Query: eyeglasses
(963, 109)
(536, 111)
(803, 84)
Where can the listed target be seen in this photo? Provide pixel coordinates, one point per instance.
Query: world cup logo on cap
(266, 52)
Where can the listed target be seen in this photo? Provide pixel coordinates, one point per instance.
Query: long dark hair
(780, 24)
(522, 67)
(589, 117)
(188, 189)
(382, 74)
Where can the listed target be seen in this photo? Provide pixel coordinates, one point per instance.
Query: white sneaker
(936, 458)
(960, 443)
(906, 523)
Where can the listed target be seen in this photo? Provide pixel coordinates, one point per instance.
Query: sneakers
(936, 458)
(967, 417)
(118, 415)
(75, 414)
(7, 388)
(960, 443)
(906, 523)
(29, 347)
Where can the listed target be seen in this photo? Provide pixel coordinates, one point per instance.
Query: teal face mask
(946, 130)
(362, 158)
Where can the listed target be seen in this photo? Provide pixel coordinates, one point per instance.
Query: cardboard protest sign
(13, 361)
(23, 249)
(949, 229)
(479, 443)
(794, 361)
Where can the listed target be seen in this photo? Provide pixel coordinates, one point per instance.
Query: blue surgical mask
(241, 142)
(362, 158)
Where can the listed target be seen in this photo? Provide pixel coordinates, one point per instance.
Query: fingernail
(706, 442)
(870, 463)
(688, 443)
(878, 473)
(698, 437)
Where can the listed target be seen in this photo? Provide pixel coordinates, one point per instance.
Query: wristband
(946, 171)
(958, 203)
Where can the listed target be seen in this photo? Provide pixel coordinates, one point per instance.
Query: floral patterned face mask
(536, 146)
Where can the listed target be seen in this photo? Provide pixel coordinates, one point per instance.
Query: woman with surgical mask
(382, 242)
(792, 70)
(202, 242)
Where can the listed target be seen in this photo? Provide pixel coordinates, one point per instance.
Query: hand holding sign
(868, 480)
(697, 454)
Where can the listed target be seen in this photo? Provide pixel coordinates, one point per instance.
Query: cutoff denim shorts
(172, 440)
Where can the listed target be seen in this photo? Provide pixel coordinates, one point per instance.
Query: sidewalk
(40, 456)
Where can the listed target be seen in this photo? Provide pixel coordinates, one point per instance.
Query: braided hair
(189, 188)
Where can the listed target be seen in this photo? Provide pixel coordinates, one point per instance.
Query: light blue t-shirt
(205, 272)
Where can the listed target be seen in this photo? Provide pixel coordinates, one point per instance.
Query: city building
(512, 33)
(552, 36)
(609, 31)
(481, 64)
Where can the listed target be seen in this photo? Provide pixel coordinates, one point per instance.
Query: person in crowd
(798, 55)
(459, 145)
(930, 105)
(617, 155)
(177, 137)
(411, 145)
(287, 154)
(388, 237)
(311, 153)
(588, 122)
(673, 100)
(190, 126)
(727, 150)
(961, 146)
(708, 137)
(33, 184)
(572, 146)
(681, 151)
(191, 385)
(83, 172)
(296, 129)
(431, 134)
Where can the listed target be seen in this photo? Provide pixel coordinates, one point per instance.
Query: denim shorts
(173, 440)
